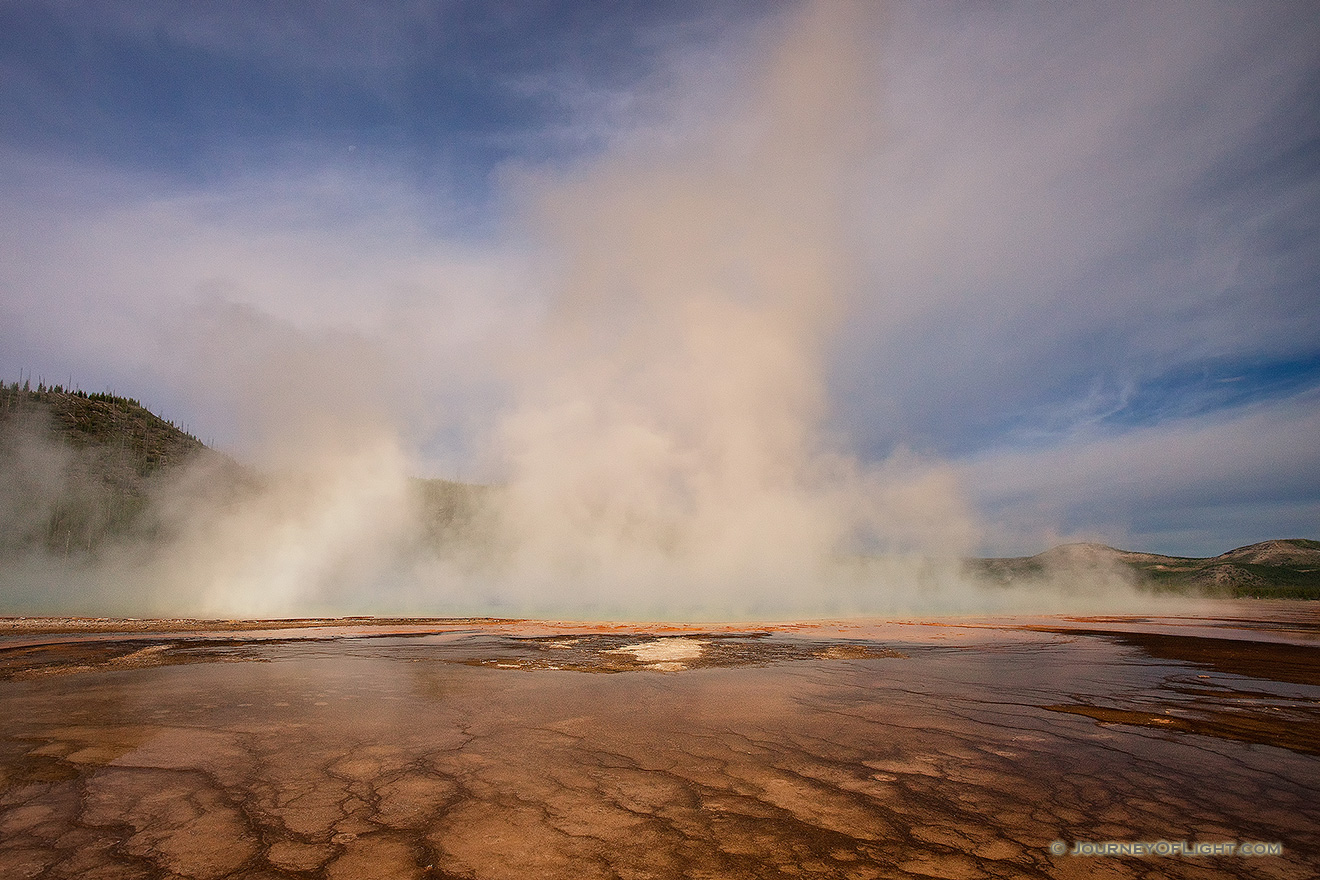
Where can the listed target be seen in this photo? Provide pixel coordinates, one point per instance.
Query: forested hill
(76, 468)
(85, 420)
(78, 471)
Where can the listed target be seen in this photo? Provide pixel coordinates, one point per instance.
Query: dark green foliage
(81, 471)
(1278, 582)
(98, 420)
(76, 468)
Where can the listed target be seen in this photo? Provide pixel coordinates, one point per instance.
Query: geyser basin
(952, 748)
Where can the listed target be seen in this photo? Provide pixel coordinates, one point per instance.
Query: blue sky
(1083, 240)
(441, 94)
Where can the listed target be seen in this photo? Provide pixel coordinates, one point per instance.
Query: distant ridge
(85, 420)
(78, 470)
(117, 448)
(77, 467)
(1287, 568)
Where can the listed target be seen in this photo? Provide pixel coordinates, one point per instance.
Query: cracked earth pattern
(480, 754)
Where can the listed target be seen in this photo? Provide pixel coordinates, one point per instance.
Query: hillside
(1279, 569)
(76, 469)
(84, 420)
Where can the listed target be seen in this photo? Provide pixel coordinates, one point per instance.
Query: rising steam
(666, 445)
(665, 451)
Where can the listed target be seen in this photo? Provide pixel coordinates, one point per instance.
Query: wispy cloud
(1194, 487)
(1076, 211)
(204, 304)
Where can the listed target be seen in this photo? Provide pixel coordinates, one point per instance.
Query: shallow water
(936, 749)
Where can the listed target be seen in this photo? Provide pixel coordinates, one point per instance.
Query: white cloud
(1194, 487)
(217, 300)
(1068, 194)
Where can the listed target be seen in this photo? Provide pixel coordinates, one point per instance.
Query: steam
(664, 451)
(665, 444)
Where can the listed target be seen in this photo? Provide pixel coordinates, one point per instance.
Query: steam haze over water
(748, 310)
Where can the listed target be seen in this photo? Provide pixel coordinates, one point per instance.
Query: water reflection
(840, 750)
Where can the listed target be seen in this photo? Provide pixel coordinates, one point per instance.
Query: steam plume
(664, 452)
(666, 443)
